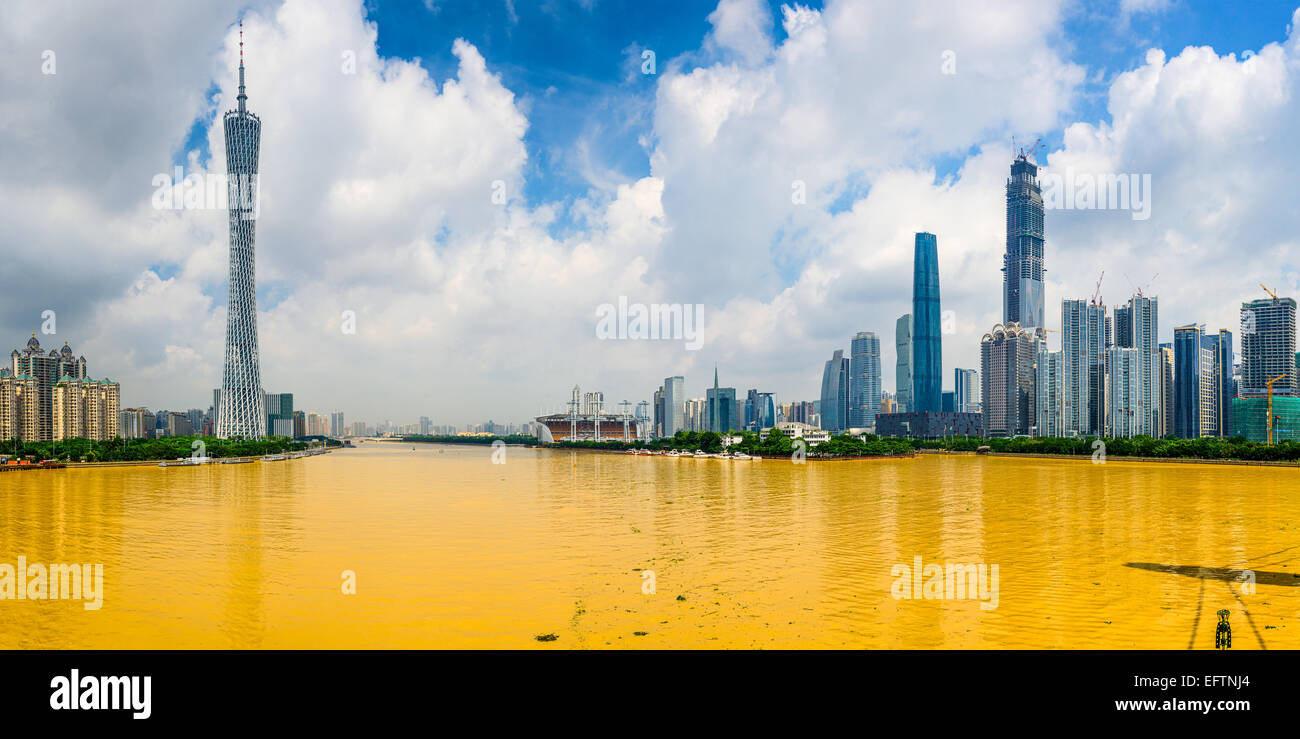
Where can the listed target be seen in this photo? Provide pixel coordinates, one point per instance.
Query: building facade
(903, 364)
(966, 385)
(1083, 368)
(864, 380)
(1008, 372)
(1023, 265)
(835, 393)
(927, 336)
(86, 409)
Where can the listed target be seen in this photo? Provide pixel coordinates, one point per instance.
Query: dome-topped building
(27, 400)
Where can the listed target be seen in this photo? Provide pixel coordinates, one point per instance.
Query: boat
(183, 462)
(235, 460)
(756, 458)
(700, 454)
(274, 457)
(741, 455)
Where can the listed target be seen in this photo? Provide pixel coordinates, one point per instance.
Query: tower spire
(242, 97)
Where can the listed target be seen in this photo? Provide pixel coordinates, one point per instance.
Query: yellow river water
(449, 549)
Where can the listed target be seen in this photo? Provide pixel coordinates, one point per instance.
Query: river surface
(450, 549)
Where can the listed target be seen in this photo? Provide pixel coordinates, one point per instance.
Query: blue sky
(583, 54)
(575, 66)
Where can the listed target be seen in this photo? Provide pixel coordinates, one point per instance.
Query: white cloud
(378, 200)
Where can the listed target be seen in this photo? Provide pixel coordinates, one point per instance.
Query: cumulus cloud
(378, 198)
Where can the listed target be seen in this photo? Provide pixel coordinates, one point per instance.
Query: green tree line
(130, 450)
(1236, 448)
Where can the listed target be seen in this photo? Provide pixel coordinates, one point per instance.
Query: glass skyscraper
(242, 411)
(1268, 343)
(1083, 368)
(1022, 266)
(903, 364)
(927, 341)
(864, 380)
(835, 393)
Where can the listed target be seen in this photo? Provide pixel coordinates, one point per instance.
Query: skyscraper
(835, 393)
(1083, 368)
(903, 365)
(1268, 343)
(1049, 391)
(674, 405)
(1123, 387)
(1142, 317)
(966, 384)
(1022, 266)
(1007, 372)
(927, 340)
(242, 411)
(721, 413)
(864, 380)
(1166, 352)
(1199, 382)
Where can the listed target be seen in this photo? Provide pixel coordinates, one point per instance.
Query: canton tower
(242, 407)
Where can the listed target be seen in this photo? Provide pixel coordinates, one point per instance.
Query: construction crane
(1096, 294)
(1024, 153)
(1270, 292)
(1270, 403)
(1141, 290)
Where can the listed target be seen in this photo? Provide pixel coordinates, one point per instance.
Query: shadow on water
(1284, 579)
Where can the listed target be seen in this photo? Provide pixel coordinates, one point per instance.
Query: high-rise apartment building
(1123, 387)
(86, 409)
(1049, 392)
(1083, 368)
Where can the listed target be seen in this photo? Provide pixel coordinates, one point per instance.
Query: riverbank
(1081, 458)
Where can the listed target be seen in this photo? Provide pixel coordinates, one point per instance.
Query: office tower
(674, 402)
(927, 340)
(337, 425)
(888, 405)
(1268, 347)
(948, 402)
(279, 414)
(1142, 320)
(242, 412)
(1007, 358)
(1166, 390)
(1083, 368)
(721, 414)
(903, 367)
(966, 384)
(658, 405)
(1198, 383)
(1023, 266)
(1225, 381)
(1049, 383)
(864, 380)
(593, 403)
(760, 411)
(834, 407)
(1123, 387)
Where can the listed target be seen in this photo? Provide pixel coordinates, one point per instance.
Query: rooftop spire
(242, 97)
